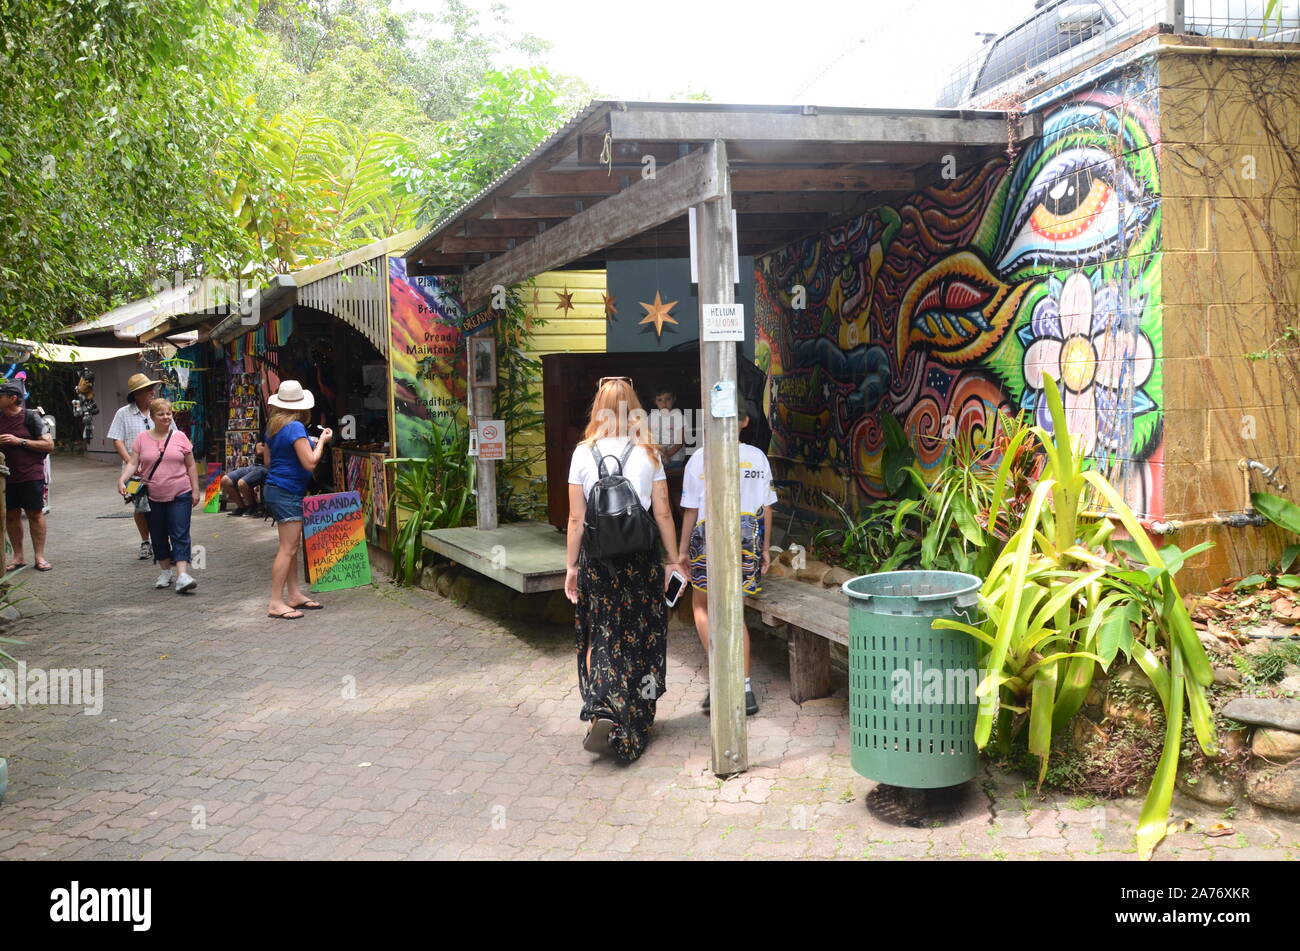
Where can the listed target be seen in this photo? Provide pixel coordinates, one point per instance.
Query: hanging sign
(491, 439)
(722, 322)
(334, 532)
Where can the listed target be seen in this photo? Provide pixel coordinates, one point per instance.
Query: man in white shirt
(128, 423)
(756, 500)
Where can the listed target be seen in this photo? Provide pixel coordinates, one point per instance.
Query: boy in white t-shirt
(668, 427)
(756, 501)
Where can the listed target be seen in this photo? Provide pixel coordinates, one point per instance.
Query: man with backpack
(25, 443)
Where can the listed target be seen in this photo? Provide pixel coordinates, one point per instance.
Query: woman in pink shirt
(164, 460)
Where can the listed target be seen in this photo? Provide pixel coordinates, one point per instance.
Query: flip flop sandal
(309, 606)
(45, 567)
(16, 565)
(287, 615)
(597, 740)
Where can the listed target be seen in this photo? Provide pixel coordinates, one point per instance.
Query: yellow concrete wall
(577, 330)
(1230, 177)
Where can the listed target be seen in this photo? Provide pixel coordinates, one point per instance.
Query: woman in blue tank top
(294, 456)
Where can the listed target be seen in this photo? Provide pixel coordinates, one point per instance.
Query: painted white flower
(1084, 334)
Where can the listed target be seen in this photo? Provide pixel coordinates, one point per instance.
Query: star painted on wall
(565, 298)
(658, 314)
(610, 310)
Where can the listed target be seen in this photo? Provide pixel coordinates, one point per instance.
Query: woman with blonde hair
(621, 619)
(163, 460)
(294, 455)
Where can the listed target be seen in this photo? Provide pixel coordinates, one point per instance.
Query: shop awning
(178, 311)
(23, 350)
(616, 181)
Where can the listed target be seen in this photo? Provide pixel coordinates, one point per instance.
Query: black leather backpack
(615, 523)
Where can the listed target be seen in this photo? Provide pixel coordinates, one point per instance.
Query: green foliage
(941, 525)
(1269, 667)
(502, 121)
(1063, 597)
(878, 542)
(110, 114)
(304, 188)
(520, 495)
(436, 493)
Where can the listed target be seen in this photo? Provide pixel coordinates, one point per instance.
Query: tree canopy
(229, 139)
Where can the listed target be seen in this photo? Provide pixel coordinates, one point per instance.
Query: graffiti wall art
(956, 303)
(428, 359)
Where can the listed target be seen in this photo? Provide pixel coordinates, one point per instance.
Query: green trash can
(912, 702)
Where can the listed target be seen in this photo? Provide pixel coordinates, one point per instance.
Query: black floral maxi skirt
(621, 614)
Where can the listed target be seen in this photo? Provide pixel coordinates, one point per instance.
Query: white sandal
(597, 740)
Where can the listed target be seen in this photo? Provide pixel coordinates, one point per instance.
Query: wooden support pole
(717, 273)
(485, 470)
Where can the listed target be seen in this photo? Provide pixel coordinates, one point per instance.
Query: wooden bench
(815, 616)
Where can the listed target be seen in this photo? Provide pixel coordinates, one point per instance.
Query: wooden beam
(825, 180)
(718, 277)
(582, 182)
(883, 127)
(525, 207)
(644, 205)
(628, 153)
(834, 153)
(508, 227)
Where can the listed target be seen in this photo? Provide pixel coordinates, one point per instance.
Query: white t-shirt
(640, 471)
(668, 428)
(755, 482)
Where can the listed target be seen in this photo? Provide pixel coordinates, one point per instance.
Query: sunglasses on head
(614, 379)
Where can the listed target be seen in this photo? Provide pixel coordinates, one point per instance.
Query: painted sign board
(334, 531)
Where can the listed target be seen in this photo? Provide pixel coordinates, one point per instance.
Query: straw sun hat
(138, 381)
(291, 395)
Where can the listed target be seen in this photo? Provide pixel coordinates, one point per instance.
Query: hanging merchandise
(244, 423)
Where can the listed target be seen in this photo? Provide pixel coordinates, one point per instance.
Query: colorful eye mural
(957, 302)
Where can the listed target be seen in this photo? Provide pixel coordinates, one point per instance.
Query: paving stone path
(396, 724)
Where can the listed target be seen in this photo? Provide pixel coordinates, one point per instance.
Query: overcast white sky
(826, 52)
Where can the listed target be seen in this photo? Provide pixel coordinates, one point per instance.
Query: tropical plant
(509, 114)
(941, 524)
(1064, 596)
(880, 541)
(1285, 514)
(307, 187)
(520, 492)
(436, 491)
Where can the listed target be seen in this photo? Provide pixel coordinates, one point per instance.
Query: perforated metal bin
(912, 702)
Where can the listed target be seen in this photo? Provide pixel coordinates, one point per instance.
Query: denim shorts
(251, 476)
(284, 506)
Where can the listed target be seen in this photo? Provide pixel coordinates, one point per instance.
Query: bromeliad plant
(1064, 596)
(437, 492)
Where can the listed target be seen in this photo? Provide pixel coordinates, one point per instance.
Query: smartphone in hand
(676, 585)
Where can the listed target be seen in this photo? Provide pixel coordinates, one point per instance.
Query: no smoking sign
(491, 439)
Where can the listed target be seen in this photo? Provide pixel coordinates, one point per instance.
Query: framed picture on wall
(482, 361)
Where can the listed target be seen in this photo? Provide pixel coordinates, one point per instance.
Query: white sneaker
(185, 583)
(164, 579)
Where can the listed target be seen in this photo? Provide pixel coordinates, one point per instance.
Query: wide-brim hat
(291, 395)
(139, 381)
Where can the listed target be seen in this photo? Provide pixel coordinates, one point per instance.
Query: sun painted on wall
(955, 303)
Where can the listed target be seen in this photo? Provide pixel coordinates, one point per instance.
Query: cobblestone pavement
(225, 735)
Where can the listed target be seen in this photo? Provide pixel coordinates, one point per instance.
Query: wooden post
(485, 471)
(717, 273)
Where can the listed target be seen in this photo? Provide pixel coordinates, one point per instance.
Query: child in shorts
(756, 501)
